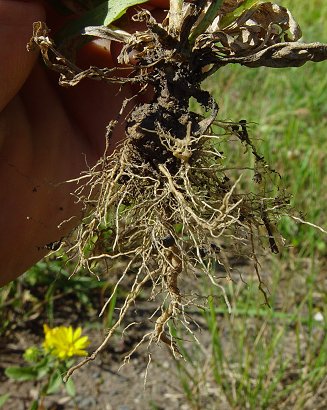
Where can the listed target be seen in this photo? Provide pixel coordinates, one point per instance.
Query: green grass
(43, 294)
(288, 112)
(257, 358)
(261, 358)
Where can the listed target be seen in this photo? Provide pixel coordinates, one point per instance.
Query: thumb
(16, 19)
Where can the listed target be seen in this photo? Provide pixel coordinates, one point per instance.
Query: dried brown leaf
(259, 26)
(281, 55)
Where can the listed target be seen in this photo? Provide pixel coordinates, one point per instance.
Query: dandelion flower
(64, 342)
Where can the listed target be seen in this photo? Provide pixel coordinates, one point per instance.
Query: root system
(167, 204)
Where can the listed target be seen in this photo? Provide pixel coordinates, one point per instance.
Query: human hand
(47, 135)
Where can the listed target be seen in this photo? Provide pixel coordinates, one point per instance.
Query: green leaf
(43, 367)
(35, 405)
(209, 17)
(3, 399)
(103, 15)
(70, 388)
(235, 14)
(54, 383)
(117, 8)
(21, 373)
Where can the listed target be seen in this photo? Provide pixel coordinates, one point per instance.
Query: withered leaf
(244, 26)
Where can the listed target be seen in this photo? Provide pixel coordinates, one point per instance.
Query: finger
(163, 4)
(16, 19)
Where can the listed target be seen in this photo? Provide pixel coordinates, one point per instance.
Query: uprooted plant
(165, 204)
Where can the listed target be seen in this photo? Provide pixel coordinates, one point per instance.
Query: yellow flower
(64, 342)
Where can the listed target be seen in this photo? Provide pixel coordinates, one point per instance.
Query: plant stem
(175, 16)
(208, 18)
